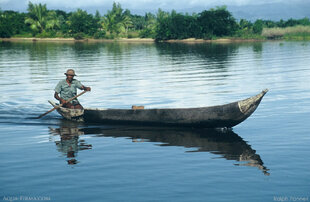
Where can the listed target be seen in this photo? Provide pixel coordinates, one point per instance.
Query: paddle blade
(46, 112)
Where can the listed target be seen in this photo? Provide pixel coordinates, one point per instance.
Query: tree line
(117, 22)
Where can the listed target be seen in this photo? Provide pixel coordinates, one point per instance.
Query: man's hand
(87, 88)
(62, 101)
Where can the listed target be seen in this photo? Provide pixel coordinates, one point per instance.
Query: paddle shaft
(61, 104)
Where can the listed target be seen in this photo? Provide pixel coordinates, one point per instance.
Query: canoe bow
(248, 106)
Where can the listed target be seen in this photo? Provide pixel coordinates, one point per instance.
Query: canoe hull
(220, 116)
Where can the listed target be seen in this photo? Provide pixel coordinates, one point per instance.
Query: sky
(272, 7)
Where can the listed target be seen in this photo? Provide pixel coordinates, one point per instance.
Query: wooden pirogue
(220, 116)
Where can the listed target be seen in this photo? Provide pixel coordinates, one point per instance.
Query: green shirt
(67, 91)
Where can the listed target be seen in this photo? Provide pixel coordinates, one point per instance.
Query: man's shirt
(67, 91)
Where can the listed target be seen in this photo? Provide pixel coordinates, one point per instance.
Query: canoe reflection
(224, 143)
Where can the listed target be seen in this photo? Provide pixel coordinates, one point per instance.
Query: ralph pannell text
(290, 198)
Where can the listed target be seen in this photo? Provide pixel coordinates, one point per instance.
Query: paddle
(61, 104)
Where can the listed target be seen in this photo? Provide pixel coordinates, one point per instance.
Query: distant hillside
(295, 9)
(271, 11)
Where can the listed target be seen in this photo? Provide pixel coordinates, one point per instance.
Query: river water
(265, 158)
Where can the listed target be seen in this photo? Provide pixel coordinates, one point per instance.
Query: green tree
(82, 22)
(138, 22)
(269, 23)
(245, 29)
(37, 17)
(163, 25)
(175, 25)
(216, 22)
(148, 26)
(244, 24)
(258, 27)
(183, 26)
(12, 23)
(116, 21)
(40, 19)
(62, 18)
(305, 21)
(5, 28)
(53, 21)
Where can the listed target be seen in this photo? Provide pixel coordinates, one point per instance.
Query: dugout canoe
(220, 116)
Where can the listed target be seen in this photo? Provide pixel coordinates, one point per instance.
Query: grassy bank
(287, 33)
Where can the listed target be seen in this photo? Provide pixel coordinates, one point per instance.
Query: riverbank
(150, 40)
(34, 39)
(220, 40)
(129, 40)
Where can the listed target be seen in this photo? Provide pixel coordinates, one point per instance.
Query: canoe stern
(70, 114)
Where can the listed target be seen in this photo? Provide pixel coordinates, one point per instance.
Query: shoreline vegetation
(215, 25)
(128, 40)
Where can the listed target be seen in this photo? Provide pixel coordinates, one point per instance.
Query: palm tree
(37, 16)
(116, 21)
(40, 18)
(53, 20)
(126, 21)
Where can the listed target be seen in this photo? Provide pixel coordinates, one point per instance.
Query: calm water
(266, 158)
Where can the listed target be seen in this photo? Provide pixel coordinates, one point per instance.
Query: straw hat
(70, 72)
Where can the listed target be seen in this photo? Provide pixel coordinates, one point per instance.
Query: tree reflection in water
(224, 143)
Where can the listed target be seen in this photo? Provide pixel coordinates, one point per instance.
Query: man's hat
(70, 72)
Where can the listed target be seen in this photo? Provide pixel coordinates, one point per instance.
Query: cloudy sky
(272, 7)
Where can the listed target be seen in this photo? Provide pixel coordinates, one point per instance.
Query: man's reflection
(69, 143)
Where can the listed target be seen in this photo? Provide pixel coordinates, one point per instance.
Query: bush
(133, 35)
(208, 36)
(275, 33)
(100, 34)
(110, 36)
(5, 32)
(147, 33)
(5, 28)
(60, 35)
(24, 35)
(78, 36)
(258, 27)
(45, 34)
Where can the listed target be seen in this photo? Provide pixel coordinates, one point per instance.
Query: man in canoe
(67, 89)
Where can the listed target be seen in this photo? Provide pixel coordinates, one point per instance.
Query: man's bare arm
(62, 101)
